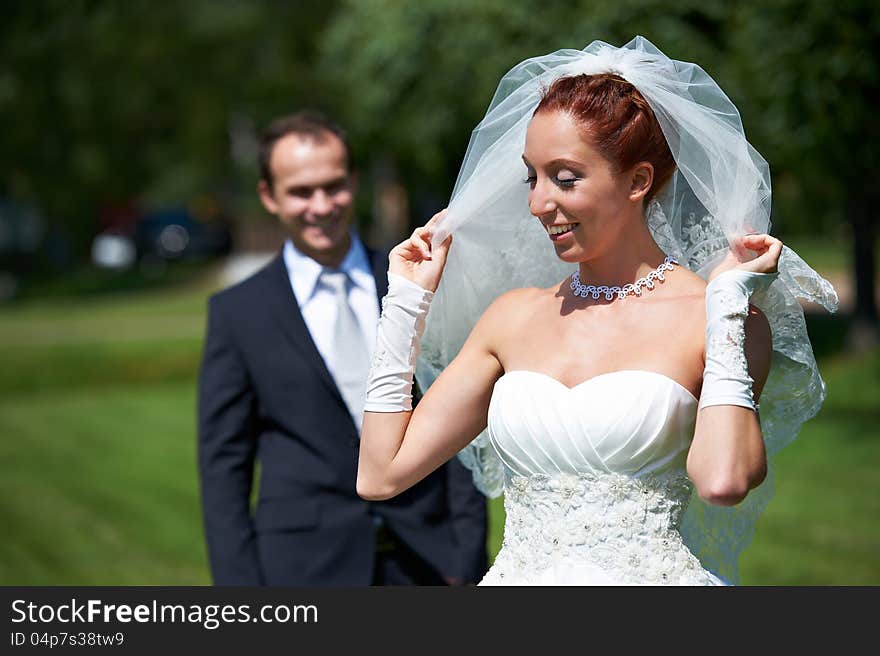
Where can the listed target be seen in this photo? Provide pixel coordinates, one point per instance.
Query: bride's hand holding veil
(400, 444)
(727, 457)
(741, 255)
(415, 260)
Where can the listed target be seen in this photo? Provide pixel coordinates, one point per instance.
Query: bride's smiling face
(575, 192)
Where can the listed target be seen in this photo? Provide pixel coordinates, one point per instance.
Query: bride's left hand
(768, 250)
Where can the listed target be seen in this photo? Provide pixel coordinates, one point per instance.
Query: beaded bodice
(595, 486)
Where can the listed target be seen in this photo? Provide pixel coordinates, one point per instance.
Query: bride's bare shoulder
(690, 282)
(514, 304)
(687, 287)
(505, 316)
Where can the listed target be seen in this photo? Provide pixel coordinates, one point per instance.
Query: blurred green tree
(412, 79)
(106, 102)
(809, 73)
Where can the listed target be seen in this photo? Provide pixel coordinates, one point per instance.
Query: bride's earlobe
(642, 179)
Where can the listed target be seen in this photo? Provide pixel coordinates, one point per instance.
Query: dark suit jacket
(265, 394)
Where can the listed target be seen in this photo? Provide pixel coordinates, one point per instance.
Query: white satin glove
(398, 344)
(726, 379)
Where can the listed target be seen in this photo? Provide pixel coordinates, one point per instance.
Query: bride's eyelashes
(565, 178)
(564, 183)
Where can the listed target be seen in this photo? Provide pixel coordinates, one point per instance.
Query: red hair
(617, 119)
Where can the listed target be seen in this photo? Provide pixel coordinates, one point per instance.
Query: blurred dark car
(175, 233)
(22, 230)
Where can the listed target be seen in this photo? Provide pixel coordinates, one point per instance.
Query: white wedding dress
(594, 483)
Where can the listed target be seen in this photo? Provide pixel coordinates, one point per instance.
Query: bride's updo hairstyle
(617, 119)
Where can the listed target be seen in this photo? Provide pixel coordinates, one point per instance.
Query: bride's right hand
(415, 260)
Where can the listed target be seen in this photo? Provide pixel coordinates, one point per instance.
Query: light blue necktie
(350, 361)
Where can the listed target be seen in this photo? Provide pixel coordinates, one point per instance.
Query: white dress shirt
(317, 302)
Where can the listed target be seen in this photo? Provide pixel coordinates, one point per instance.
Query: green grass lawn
(97, 414)
(822, 526)
(99, 487)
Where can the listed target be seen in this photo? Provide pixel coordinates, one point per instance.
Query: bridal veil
(720, 191)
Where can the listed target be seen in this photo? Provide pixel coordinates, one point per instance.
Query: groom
(282, 383)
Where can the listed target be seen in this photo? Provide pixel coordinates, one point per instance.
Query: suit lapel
(284, 308)
(286, 312)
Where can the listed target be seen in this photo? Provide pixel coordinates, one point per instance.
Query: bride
(576, 356)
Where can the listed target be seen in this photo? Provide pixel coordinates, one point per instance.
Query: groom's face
(312, 193)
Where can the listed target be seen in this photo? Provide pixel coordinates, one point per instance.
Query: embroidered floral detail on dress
(625, 527)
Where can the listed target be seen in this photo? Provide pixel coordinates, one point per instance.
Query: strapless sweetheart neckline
(599, 377)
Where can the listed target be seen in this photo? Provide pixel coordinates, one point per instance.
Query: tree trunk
(865, 332)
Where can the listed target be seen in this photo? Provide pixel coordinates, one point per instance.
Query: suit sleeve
(467, 507)
(226, 450)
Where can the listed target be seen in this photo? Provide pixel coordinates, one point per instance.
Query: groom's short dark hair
(308, 123)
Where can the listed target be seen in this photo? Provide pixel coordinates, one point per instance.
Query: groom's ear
(641, 179)
(267, 198)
